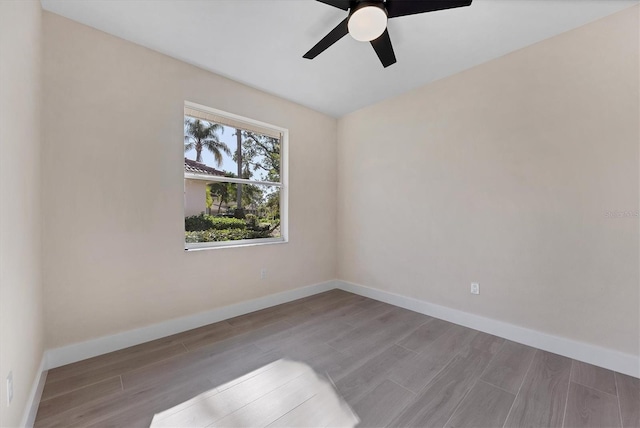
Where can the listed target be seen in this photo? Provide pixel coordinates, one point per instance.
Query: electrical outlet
(263, 273)
(475, 288)
(9, 387)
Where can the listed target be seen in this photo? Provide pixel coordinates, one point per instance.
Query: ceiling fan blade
(397, 8)
(383, 47)
(336, 34)
(340, 4)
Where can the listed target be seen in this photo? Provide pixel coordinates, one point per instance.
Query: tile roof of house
(200, 168)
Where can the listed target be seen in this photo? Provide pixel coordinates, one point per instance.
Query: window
(235, 184)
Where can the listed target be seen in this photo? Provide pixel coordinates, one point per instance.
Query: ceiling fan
(367, 22)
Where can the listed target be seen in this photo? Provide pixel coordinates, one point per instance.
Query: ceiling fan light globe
(367, 23)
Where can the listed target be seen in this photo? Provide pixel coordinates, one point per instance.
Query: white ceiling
(261, 42)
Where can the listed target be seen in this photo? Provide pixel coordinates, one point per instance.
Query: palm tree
(200, 135)
(222, 191)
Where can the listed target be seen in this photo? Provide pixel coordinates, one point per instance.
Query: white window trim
(283, 185)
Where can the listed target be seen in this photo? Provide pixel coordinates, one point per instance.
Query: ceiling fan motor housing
(357, 5)
(367, 20)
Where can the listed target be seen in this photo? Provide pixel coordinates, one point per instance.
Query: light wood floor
(394, 367)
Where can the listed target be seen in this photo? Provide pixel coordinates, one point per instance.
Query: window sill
(199, 246)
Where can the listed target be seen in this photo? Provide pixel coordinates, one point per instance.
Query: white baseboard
(581, 351)
(79, 351)
(33, 401)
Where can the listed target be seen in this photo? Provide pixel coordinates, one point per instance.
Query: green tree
(255, 153)
(239, 213)
(222, 191)
(273, 204)
(201, 135)
(261, 153)
(252, 195)
(208, 199)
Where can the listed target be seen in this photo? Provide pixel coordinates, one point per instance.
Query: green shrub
(204, 222)
(251, 220)
(213, 235)
(228, 223)
(239, 213)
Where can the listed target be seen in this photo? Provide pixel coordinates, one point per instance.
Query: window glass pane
(233, 152)
(222, 211)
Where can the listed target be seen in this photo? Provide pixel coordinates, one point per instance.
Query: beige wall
(195, 197)
(503, 174)
(114, 229)
(21, 326)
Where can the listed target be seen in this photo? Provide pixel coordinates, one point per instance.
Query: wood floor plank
(156, 395)
(266, 316)
(83, 379)
(320, 356)
(309, 414)
(272, 405)
(139, 410)
(330, 299)
(212, 406)
(378, 333)
(189, 365)
(372, 310)
(78, 397)
(322, 330)
(128, 406)
(593, 377)
(406, 317)
(629, 397)
(365, 378)
(451, 342)
(342, 312)
(210, 333)
(372, 303)
(485, 342)
(435, 405)
(96, 363)
(416, 370)
(242, 335)
(591, 408)
(337, 311)
(484, 406)
(508, 368)
(144, 385)
(380, 406)
(424, 335)
(324, 409)
(542, 397)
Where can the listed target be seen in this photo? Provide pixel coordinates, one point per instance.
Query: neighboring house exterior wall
(195, 191)
(195, 197)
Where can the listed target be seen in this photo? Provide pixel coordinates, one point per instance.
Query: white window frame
(283, 185)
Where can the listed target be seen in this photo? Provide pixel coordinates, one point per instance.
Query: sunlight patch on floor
(281, 394)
